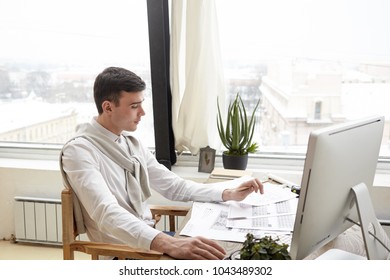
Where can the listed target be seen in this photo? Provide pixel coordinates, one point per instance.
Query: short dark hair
(111, 82)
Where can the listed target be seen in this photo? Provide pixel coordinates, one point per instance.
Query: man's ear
(107, 106)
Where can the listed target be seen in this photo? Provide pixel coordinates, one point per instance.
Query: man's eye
(135, 106)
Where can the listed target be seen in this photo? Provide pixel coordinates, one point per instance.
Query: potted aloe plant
(237, 134)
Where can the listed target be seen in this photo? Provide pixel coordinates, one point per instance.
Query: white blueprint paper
(283, 222)
(209, 220)
(272, 193)
(241, 210)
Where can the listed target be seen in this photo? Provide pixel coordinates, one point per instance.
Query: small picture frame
(206, 160)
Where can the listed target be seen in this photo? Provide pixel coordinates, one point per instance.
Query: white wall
(36, 181)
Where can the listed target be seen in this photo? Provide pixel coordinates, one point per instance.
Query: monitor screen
(338, 158)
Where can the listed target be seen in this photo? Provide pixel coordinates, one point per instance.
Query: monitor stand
(377, 248)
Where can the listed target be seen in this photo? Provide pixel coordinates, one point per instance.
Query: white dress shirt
(100, 183)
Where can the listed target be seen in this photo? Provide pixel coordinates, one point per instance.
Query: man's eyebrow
(139, 102)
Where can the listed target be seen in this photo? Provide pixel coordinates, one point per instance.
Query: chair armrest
(96, 249)
(169, 210)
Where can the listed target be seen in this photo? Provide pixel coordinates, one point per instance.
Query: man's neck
(104, 122)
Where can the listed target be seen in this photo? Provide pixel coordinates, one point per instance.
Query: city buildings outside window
(312, 63)
(50, 54)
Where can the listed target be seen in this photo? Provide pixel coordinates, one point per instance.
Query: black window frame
(159, 41)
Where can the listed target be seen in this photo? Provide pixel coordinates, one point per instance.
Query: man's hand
(243, 190)
(195, 248)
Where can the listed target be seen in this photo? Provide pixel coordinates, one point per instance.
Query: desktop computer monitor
(338, 158)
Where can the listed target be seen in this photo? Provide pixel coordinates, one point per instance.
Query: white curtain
(196, 74)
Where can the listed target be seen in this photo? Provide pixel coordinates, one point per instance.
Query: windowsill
(187, 167)
(32, 164)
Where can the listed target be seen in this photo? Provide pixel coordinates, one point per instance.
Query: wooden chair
(96, 249)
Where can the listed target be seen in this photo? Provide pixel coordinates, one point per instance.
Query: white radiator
(38, 220)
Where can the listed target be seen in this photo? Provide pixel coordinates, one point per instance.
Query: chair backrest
(69, 232)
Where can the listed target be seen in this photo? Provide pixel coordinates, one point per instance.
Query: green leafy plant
(264, 248)
(237, 134)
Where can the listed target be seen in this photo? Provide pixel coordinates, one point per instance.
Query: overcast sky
(344, 28)
(92, 30)
(74, 30)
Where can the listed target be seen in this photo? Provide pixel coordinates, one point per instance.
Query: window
(50, 54)
(312, 63)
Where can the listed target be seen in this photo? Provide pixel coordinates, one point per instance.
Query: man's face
(128, 114)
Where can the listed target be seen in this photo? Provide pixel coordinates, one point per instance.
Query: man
(111, 173)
